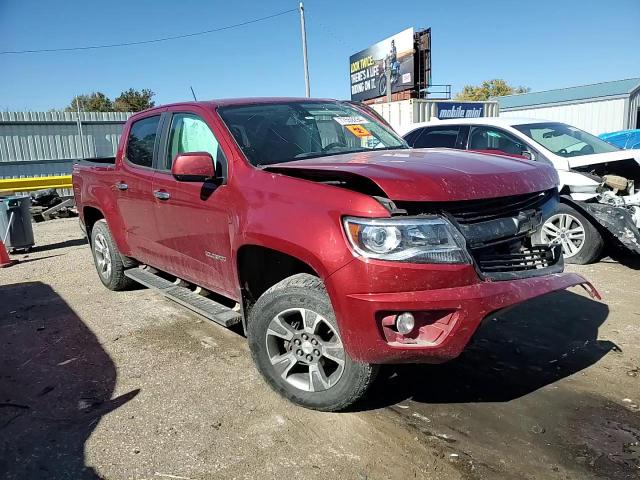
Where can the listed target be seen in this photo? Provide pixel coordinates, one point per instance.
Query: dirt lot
(97, 384)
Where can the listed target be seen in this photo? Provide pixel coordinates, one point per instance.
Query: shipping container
(402, 114)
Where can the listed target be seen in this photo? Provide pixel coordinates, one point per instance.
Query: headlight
(417, 240)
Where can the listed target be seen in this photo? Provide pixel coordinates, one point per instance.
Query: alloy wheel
(103, 256)
(566, 230)
(305, 349)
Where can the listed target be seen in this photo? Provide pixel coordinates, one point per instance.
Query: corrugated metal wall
(634, 111)
(398, 113)
(46, 143)
(594, 117)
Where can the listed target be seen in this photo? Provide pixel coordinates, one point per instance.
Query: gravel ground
(99, 384)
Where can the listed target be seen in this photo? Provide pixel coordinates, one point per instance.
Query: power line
(144, 42)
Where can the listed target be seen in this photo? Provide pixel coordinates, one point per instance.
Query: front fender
(299, 217)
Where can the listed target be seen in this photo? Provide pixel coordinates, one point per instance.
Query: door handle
(122, 186)
(160, 195)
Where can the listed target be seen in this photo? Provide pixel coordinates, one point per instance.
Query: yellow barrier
(8, 185)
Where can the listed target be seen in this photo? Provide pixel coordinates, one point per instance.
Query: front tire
(107, 259)
(296, 345)
(580, 239)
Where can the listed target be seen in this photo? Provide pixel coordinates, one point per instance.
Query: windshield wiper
(304, 156)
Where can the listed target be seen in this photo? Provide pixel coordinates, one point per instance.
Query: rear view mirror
(193, 167)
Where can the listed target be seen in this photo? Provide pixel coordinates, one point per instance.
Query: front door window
(494, 140)
(189, 133)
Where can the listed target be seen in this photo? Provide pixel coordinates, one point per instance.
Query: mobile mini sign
(367, 67)
(459, 110)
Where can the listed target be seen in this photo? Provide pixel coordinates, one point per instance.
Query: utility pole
(303, 29)
(80, 127)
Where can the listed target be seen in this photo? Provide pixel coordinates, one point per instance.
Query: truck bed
(97, 160)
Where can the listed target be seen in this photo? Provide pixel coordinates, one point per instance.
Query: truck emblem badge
(528, 220)
(215, 256)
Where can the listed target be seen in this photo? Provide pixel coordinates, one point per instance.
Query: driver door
(193, 218)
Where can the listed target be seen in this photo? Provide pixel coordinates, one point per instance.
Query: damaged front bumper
(618, 221)
(445, 317)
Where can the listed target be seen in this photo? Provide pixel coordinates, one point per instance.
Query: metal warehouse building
(47, 143)
(598, 108)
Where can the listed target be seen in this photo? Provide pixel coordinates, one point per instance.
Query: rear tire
(580, 239)
(296, 345)
(106, 256)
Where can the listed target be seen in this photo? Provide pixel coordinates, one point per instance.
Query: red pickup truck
(313, 225)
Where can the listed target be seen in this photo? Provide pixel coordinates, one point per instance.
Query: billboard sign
(459, 110)
(367, 68)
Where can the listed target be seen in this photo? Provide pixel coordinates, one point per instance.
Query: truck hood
(596, 158)
(429, 175)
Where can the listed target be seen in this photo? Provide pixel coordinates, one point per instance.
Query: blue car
(625, 139)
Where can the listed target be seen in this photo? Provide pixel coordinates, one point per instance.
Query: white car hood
(596, 158)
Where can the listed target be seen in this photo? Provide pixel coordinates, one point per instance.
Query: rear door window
(438, 137)
(142, 140)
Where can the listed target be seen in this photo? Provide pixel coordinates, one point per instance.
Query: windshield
(270, 133)
(565, 140)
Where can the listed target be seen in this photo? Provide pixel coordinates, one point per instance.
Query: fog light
(405, 323)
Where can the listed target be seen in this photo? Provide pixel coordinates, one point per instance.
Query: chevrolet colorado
(313, 226)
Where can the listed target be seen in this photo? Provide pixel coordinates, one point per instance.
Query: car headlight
(417, 240)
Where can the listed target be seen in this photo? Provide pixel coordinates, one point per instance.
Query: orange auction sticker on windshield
(358, 130)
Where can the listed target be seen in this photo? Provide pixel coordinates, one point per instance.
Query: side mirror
(527, 154)
(193, 167)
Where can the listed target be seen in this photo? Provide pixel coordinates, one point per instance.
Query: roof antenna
(193, 93)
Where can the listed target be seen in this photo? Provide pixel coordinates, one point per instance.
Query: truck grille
(501, 249)
(534, 258)
(472, 211)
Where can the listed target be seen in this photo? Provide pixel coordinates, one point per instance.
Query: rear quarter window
(411, 137)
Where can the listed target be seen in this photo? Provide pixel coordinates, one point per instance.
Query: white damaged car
(599, 183)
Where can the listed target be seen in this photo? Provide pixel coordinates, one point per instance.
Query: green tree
(134, 101)
(91, 102)
(488, 89)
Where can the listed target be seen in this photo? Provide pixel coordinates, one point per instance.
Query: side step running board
(204, 306)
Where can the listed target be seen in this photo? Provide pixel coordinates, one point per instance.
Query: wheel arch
(260, 267)
(104, 208)
(90, 215)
